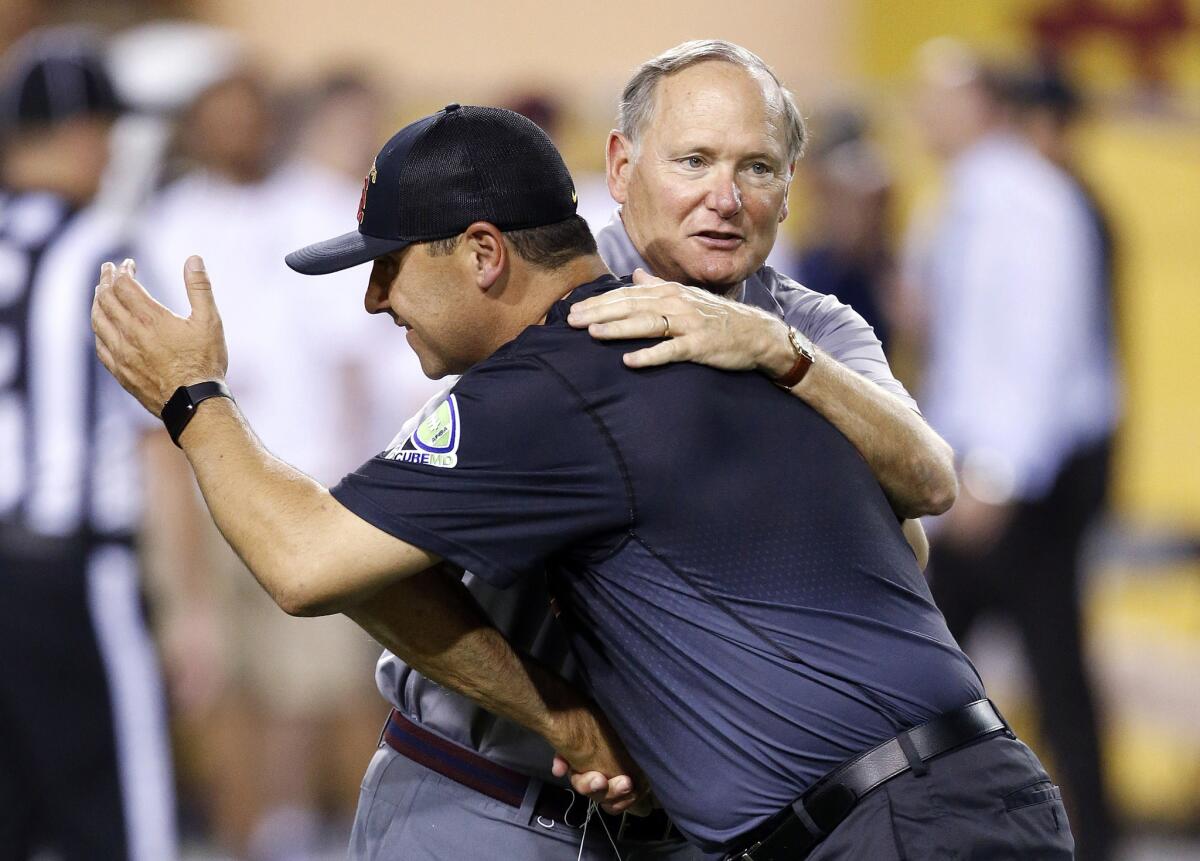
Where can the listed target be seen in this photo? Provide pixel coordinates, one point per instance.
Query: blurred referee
(83, 763)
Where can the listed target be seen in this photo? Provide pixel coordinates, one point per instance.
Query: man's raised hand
(147, 348)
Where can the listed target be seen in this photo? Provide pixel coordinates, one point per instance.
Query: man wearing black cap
(708, 602)
(84, 768)
(730, 190)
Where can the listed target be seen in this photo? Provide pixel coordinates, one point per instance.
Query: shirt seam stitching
(609, 440)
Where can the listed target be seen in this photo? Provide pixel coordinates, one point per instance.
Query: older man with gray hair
(701, 162)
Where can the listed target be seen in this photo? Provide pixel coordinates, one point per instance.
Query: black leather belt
(798, 829)
(559, 804)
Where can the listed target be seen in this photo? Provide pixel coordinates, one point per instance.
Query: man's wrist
(181, 407)
(802, 358)
(778, 354)
(572, 731)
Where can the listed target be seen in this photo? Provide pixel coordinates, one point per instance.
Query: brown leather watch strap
(804, 361)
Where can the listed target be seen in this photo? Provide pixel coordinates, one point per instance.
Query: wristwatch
(805, 357)
(178, 411)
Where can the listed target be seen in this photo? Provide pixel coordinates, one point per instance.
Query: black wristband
(178, 411)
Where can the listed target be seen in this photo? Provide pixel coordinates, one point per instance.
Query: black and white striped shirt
(68, 435)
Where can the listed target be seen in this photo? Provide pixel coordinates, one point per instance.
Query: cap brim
(341, 252)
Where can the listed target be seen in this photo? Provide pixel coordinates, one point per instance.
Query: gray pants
(408, 813)
(990, 801)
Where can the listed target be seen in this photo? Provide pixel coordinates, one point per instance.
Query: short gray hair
(637, 100)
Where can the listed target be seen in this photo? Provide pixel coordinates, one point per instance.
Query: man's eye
(760, 169)
(692, 161)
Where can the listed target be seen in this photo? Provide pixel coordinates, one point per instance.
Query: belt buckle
(748, 854)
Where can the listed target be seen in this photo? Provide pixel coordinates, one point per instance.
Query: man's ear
(487, 255)
(618, 162)
(787, 192)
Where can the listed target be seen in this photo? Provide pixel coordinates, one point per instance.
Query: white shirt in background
(1019, 371)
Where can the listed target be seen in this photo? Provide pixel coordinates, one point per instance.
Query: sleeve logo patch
(434, 442)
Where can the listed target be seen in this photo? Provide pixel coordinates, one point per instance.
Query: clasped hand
(590, 753)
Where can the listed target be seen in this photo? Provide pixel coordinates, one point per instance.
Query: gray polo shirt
(521, 611)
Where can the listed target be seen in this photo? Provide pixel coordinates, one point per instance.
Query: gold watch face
(801, 344)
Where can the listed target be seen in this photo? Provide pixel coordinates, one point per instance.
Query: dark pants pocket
(1037, 819)
(1038, 793)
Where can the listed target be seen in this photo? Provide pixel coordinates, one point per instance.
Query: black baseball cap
(436, 177)
(55, 75)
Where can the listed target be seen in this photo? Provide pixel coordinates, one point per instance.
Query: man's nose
(375, 300)
(725, 198)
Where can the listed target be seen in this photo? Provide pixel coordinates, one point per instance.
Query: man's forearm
(432, 623)
(308, 552)
(914, 466)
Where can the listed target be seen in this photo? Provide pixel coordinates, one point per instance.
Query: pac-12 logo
(434, 442)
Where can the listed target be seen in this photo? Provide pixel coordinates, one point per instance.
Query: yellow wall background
(472, 50)
(1149, 174)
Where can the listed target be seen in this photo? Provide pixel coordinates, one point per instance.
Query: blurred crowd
(999, 301)
(272, 723)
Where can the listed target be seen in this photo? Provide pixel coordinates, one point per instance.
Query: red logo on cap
(362, 201)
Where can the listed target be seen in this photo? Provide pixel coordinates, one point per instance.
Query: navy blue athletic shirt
(732, 578)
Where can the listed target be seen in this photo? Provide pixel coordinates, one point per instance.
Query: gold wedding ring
(666, 326)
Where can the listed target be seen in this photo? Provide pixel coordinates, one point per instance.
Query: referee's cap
(439, 175)
(53, 75)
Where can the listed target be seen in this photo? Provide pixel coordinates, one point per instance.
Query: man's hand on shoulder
(912, 463)
(696, 326)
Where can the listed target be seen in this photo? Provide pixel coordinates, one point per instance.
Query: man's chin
(717, 277)
(431, 366)
(434, 369)
(437, 369)
(720, 271)
(716, 271)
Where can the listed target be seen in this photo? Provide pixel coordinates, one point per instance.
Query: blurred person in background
(158, 68)
(293, 722)
(849, 253)
(340, 123)
(84, 763)
(341, 120)
(1048, 108)
(1019, 379)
